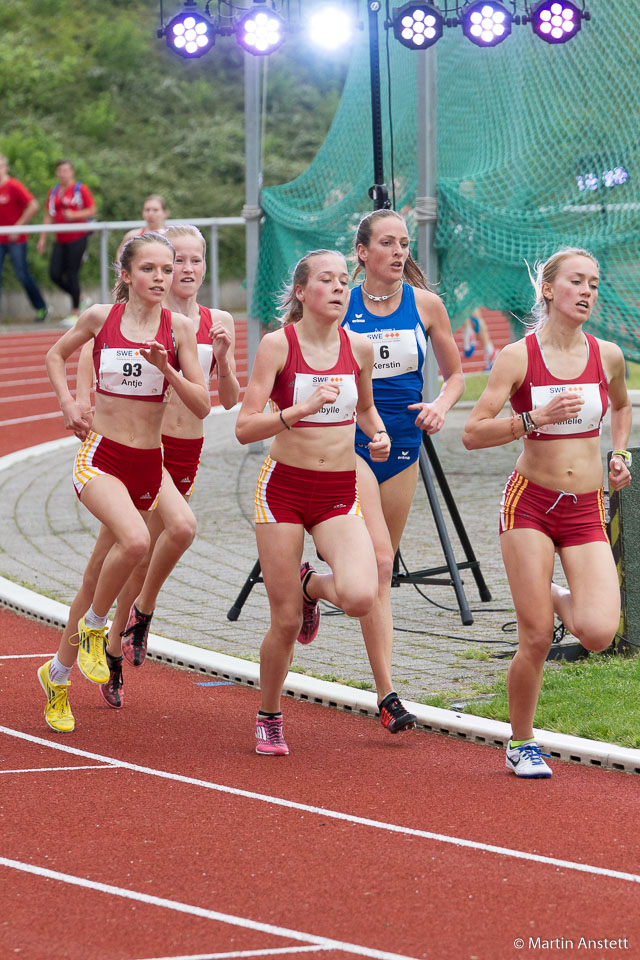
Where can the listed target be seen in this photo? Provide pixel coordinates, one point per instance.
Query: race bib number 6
(394, 352)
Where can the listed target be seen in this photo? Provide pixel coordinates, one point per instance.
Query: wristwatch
(624, 454)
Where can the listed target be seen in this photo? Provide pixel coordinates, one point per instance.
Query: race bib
(587, 419)
(394, 352)
(125, 373)
(205, 356)
(345, 403)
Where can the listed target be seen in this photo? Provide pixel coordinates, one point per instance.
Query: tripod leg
(253, 578)
(436, 466)
(454, 572)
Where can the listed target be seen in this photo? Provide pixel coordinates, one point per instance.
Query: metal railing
(104, 227)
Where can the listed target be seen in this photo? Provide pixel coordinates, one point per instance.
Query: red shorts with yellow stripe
(287, 494)
(568, 519)
(181, 459)
(139, 470)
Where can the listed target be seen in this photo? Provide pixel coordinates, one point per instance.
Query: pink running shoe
(269, 738)
(134, 636)
(310, 609)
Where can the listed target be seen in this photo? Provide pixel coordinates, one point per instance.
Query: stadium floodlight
(330, 27)
(189, 33)
(260, 31)
(556, 21)
(417, 25)
(486, 22)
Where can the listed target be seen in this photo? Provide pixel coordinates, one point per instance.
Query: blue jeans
(18, 254)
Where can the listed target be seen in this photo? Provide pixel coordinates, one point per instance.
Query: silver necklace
(380, 299)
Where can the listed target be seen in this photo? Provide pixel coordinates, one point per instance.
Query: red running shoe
(134, 636)
(394, 716)
(113, 690)
(310, 608)
(269, 739)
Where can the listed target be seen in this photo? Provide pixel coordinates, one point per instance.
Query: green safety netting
(537, 148)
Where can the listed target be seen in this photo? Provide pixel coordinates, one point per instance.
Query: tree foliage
(90, 80)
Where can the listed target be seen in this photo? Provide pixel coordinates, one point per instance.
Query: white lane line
(25, 656)
(87, 766)
(27, 396)
(333, 814)
(188, 908)
(38, 416)
(278, 952)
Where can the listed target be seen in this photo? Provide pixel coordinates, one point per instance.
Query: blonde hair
(288, 300)
(127, 256)
(546, 272)
(412, 273)
(186, 230)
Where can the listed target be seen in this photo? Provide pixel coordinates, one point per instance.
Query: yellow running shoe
(57, 712)
(92, 657)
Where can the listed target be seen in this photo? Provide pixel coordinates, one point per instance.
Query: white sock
(58, 673)
(92, 619)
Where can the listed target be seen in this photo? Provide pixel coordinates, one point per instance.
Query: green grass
(633, 379)
(596, 698)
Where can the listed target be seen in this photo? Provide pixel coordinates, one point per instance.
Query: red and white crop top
(297, 381)
(121, 370)
(539, 387)
(205, 346)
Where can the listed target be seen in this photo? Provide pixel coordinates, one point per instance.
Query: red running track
(29, 411)
(156, 831)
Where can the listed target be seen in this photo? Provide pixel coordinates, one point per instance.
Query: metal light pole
(426, 211)
(251, 210)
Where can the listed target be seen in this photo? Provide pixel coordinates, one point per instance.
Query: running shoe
(310, 609)
(489, 360)
(41, 315)
(394, 716)
(269, 738)
(113, 690)
(57, 712)
(526, 761)
(92, 645)
(134, 636)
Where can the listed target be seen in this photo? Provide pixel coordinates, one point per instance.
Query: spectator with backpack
(69, 201)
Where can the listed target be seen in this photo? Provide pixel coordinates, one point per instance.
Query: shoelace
(138, 629)
(531, 751)
(96, 638)
(274, 731)
(59, 700)
(116, 675)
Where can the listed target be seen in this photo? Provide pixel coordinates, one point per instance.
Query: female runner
(118, 469)
(173, 526)
(559, 380)
(154, 214)
(393, 308)
(317, 375)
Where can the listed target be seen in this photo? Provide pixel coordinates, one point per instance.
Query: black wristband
(284, 421)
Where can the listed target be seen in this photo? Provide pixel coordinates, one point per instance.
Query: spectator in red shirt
(17, 206)
(68, 202)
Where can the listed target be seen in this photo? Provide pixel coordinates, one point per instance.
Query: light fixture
(260, 31)
(486, 22)
(330, 27)
(189, 33)
(556, 21)
(417, 25)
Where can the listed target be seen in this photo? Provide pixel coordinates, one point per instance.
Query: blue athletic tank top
(399, 347)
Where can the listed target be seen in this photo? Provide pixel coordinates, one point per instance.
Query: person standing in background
(154, 214)
(17, 206)
(69, 201)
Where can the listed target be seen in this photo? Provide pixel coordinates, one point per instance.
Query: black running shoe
(134, 636)
(394, 716)
(113, 690)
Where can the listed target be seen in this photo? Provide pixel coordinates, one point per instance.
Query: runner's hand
(429, 419)
(76, 419)
(380, 448)
(324, 393)
(220, 339)
(564, 406)
(619, 475)
(156, 354)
